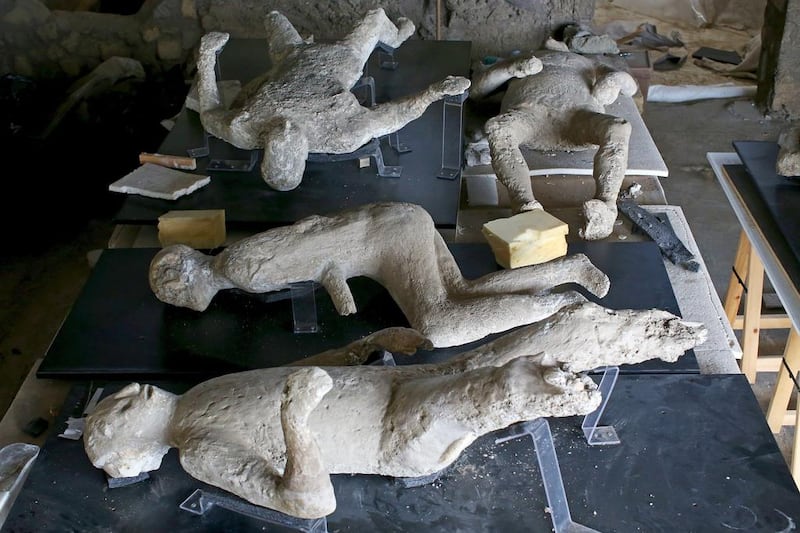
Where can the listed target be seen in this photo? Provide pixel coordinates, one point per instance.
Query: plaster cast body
(273, 436)
(395, 244)
(556, 100)
(303, 103)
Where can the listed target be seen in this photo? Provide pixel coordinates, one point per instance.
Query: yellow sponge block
(201, 228)
(525, 239)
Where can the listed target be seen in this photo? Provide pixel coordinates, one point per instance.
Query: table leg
(752, 316)
(784, 385)
(733, 296)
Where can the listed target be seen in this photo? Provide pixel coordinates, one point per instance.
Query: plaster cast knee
(285, 154)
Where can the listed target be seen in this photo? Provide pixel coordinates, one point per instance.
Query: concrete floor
(38, 283)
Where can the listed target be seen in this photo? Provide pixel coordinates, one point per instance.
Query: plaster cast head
(182, 276)
(127, 433)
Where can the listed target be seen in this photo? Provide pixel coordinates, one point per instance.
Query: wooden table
(756, 256)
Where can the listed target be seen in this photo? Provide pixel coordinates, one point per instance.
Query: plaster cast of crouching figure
(556, 100)
(303, 103)
(395, 244)
(273, 436)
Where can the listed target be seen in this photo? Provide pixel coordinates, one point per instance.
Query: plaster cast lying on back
(273, 436)
(395, 244)
(555, 100)
(303, 103)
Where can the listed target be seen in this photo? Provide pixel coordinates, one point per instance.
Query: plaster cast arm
(496, 75)
(396, 340)
(335, 282)
(305, 488)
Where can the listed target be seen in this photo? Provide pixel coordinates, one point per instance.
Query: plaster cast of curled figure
(555, 100)
(395, 244)
(273, 436)
(303, 103)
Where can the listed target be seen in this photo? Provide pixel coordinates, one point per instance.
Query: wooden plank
(781, 321)
(779, 403)
(752, 317)
(733, 296)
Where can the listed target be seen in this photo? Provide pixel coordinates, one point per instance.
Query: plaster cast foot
(530, 206)
(306, 484)
(599, 220)
(213, 42)
(450, 86)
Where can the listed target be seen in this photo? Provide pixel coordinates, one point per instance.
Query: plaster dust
(395, 244)
(400, 421)
(303, 104)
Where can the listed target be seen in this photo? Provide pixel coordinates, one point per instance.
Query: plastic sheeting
(739, 14)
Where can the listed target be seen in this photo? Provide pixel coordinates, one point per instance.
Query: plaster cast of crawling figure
(303, 103)
(395, 244)
(556, 100)
(273, 436)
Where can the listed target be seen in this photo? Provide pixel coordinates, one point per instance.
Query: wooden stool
(751, 322)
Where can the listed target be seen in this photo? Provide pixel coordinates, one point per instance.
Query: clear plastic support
(595, 434)
(452, 125)
(386, 359)
(539, 431)
(75, 426)
(386, 58)
(200, 502)
(304, 307)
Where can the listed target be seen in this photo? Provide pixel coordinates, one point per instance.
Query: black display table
(696, 455)
(333, 186)
(118, 329)
(781, 195)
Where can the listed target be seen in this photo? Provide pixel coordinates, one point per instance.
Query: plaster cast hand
(335, 282)
(524, 66)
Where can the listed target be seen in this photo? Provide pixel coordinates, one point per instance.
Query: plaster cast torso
(553, 96)
(395, 244)
(310, 86)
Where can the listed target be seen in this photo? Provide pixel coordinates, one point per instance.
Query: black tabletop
(326, 187)
(696, 455)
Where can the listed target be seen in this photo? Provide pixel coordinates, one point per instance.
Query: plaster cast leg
(506, 133)
(305, 481)
(359, 44)
(216, 119)
(587, 336)
(497, 74)
(535, 278)
(454, 322)
(457, 408)
(282, 36)
(285, 154)
(612, 135)
(391, 116)
(612, 82)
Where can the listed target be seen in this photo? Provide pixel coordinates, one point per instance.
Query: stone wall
(779, 66)
(39, 42)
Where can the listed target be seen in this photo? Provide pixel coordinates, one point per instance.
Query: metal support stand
(224, 165)
(199, 502)
(452, 119)
(372, 149)
(386, 58)
(368, 84)
(539, 431)
(304, 307)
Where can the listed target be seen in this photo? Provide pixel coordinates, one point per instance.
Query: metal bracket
(386, 58)
(372, 149)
